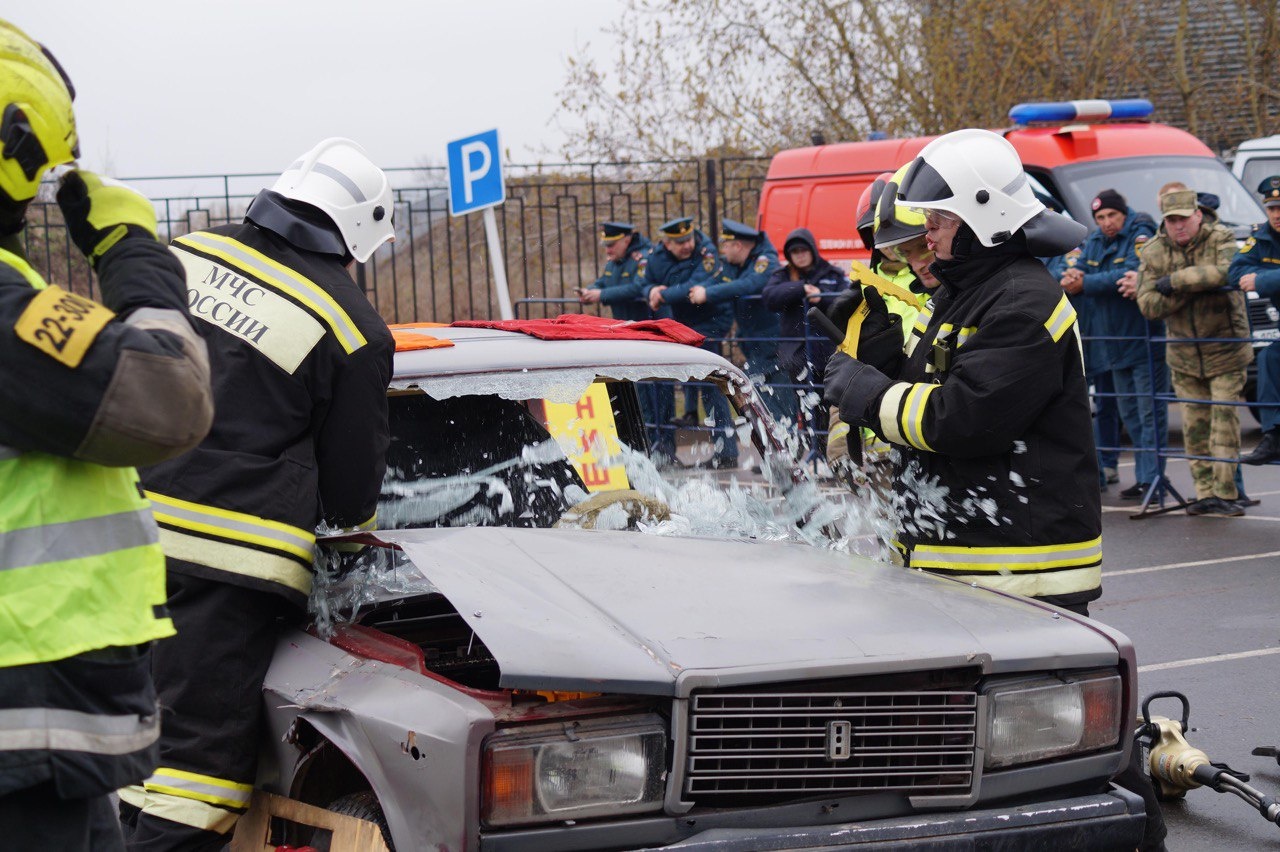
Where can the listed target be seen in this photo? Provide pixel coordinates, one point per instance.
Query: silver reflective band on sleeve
(238, 526)
(51, 729)
(1061, 319)
(202, 788)
(1029, 558)
(77, 539)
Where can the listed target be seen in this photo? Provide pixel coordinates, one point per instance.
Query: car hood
(633, 613)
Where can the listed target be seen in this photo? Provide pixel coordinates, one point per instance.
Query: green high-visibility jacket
(80, 563)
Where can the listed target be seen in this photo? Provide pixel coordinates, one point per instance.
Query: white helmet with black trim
(977, 176)
(338, 178)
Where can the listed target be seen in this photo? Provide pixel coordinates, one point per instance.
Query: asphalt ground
(1199, 598)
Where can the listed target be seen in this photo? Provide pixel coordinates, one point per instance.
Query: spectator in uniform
(1180, 280)
(683, 259)
(618, 285)
(1135, 372)
(807, 280)
(1257, 268)
(748, 260)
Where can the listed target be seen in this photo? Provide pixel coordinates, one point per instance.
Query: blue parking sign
(475, 173)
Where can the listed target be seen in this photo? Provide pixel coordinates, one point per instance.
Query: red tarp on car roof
(588, 327)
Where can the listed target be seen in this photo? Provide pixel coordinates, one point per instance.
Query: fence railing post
(713, 208)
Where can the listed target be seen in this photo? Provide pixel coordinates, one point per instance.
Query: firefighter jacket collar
(965, 273)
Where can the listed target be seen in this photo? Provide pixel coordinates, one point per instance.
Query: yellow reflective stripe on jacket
(235, 559)
(235, 526)
(918, 328)
(1038, 584)
(282, 278)
(922, 319)
(956, 558)
(23, 268)
(1061, 319)
(964, 334)
(201, 788)
(180, 810)
(82, 568)
(912, 418)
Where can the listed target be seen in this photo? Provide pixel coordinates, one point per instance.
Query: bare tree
(689, 77)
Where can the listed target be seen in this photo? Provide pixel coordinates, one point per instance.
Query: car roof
(484, 350)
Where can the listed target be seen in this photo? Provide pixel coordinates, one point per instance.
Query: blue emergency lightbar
(1091, 110)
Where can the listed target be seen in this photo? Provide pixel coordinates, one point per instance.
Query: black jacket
(785, 295)
(999, 476)
(300, 363)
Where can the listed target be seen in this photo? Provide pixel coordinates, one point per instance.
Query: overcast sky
(172, 87)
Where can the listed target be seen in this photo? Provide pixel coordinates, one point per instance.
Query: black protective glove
(841, 308)
(1164, 286)
(880, 340)
(100, 212)
(855, 387)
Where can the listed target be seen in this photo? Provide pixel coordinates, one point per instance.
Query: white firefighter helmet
(338, 178)
(976, 175)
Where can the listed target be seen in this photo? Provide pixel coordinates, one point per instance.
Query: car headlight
(574, 770)
(1051, 717)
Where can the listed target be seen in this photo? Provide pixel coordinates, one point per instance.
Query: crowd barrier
(1161, 495)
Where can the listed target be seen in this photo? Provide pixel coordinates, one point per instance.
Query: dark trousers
(209, 681)
(38, 818)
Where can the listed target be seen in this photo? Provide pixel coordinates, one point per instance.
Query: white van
(1257, 159)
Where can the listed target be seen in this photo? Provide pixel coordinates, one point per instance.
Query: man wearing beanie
(1181, 278)
(1132, 370)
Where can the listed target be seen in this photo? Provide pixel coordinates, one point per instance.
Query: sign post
(475, 183)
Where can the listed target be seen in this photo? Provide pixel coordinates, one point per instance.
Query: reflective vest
(80, 563)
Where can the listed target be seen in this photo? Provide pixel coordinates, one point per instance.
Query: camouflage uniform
(1199, 309)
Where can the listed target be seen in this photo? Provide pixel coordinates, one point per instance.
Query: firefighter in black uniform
(87, 390)
(988, 403)
(300, 363)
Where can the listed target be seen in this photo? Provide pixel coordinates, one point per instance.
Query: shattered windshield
(506, 455)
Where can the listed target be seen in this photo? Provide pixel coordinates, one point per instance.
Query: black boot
(1268, 449)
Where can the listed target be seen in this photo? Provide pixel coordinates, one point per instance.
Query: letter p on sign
(475, 173)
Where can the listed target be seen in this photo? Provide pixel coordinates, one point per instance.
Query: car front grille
(785, 745)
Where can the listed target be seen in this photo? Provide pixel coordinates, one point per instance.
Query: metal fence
(438, 267)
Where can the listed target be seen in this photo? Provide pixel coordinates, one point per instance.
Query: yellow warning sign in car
(586, 431)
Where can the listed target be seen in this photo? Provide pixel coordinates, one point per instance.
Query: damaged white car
(696, 672)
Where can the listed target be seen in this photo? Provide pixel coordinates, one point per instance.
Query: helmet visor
(922, 186)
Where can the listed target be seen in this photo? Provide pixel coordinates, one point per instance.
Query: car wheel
(362, 805)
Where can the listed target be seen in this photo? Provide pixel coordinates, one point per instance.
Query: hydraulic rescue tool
(1177, 766)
